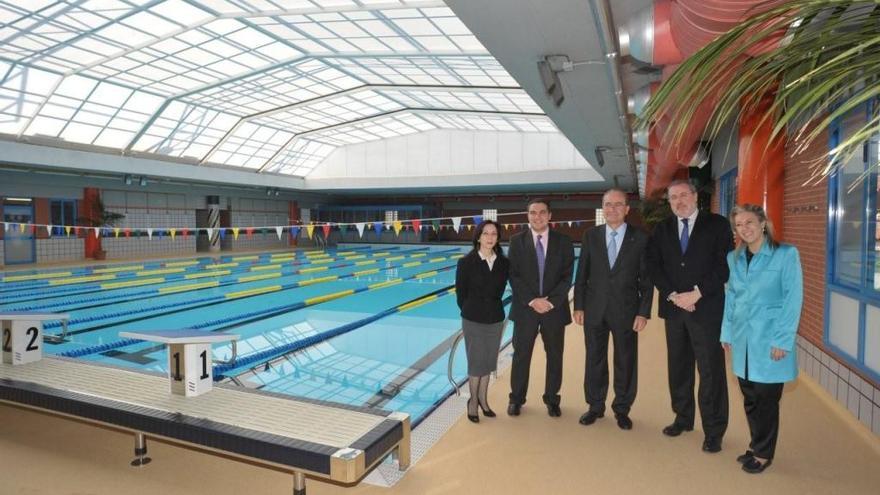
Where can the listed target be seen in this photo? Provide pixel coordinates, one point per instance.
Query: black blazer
(704, 265)
(620, 293)
(558, 266)
(479, 290)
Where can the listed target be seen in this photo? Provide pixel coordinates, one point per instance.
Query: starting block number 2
(22, 341)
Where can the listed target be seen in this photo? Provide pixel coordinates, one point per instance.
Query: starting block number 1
(22, 341)
(190, 368)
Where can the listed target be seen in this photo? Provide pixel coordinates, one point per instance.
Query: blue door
(18, 246)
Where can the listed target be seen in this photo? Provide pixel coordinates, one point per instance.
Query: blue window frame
(852, 301)
(62, 212)
(727, 196)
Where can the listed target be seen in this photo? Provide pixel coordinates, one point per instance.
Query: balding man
(612, 295)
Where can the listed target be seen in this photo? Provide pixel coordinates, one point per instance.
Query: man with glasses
(612, 295)
(687, 257)
(540, 275)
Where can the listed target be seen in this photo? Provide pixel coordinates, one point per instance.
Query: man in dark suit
(687, 259)
(540, 275)
(612, 294)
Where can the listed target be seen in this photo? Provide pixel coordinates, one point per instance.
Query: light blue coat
(762, 309)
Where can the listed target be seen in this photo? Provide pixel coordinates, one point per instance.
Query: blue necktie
(539, 250)
(612, 249)
(685, 235)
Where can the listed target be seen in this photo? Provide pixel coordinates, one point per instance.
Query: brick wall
(806, 222)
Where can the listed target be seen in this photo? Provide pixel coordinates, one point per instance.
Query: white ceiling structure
(264, 91)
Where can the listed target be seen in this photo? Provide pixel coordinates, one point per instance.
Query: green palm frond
(827, 65)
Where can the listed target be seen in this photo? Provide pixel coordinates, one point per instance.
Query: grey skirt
(481, 341)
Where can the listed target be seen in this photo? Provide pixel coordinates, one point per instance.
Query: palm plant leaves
(826, 65)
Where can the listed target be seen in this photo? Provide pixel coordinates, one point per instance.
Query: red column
(90, 198)
(761, 166)
(293, 214)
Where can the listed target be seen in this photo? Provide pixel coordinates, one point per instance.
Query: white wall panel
(462, 152)
(375, 158)
(395, 158)
(486, 152)
(535, 151)
(510, 152)
(439, 153)
(417, 154)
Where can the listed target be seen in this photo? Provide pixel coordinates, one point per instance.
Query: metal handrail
(58, 338)
(232, 359)
(452, 349)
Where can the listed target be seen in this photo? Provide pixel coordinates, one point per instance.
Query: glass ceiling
(268, 85)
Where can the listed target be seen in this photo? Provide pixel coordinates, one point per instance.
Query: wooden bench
(301, 436)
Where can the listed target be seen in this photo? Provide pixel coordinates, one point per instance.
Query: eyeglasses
(613, 205)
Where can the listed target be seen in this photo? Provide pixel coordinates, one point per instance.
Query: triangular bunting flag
(469, 227)
(294, 232)
(278, 231)
(326, 229)
(67, 230)
(417, 225)
(436, 225)
(97, 232)
(397, 226)
(456, 223)
(478, 219)
(149, 233)
(210, 233)
(34, 229)
(21, 227)
(127, 232)
(222, 233)
(569, 223)
(310, 230)
(116, 232)
(49, 230)
(249, 232)
(173, 233)
(378, 228)
(360, 228)
(184, 232)
(235, 233)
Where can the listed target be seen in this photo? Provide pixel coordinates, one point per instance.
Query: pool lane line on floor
(220, 299)
(247, 317)
(178, 272)
(31, 274)
(178, 277)
(172, 290)
(261, 358)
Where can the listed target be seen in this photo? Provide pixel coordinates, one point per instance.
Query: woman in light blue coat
(761, 314)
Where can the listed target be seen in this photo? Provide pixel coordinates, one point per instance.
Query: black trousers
(524, 336)
(762, 413)
(626, 357)
(689, 342)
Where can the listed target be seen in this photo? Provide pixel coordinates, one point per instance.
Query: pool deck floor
(822, 450)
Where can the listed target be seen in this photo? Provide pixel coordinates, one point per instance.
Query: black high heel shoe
(475, 418)
(489, 413)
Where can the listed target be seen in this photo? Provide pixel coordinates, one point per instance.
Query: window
(852, 319)
(600, 216)
(390, 216)
(62, 212)
(727, 198)
(490, 215)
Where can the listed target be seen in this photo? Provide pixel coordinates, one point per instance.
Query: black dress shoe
(553, 410)
(474, 418)
(623, 422)
(590, 417)
(754, 466)
(513, 409)
(712, 445)
(744, 458)
(487, 412)
(676, 429)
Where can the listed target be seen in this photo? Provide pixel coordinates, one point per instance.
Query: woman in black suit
(480, 280)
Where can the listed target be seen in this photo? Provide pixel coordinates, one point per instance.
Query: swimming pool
(364, 326)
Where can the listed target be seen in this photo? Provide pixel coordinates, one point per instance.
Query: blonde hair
(762, 217)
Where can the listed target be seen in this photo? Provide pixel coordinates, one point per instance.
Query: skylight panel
(417, 27)
(437, 43)
(376, 28)
(148, 22)
(468, 43)
(450, 25)
(346, 29)
(178, 9)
